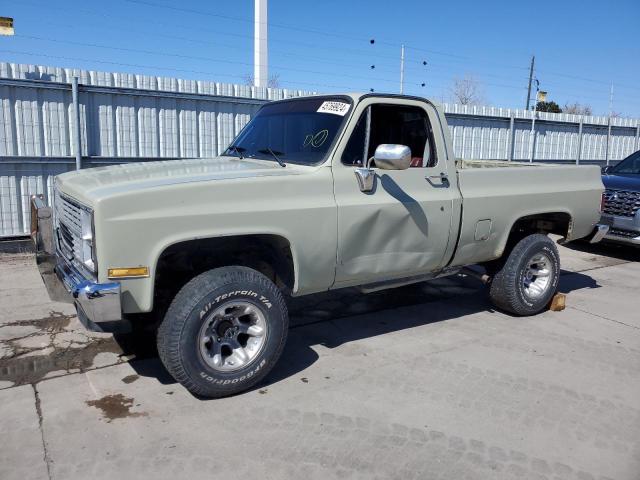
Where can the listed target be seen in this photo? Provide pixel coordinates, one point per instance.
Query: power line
(201, 72)
(320, 60)
(217, 60)
(371, 53)
(161, 68)
(195, 57)
(226, 45)
(585, 79)
(241, 19)
(174, 25)
(151, 52)
(341, 35)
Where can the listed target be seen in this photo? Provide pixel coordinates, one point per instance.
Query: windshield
(630, 165)
(297, 131)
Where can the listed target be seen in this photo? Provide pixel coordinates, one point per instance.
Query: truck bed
(495, 194)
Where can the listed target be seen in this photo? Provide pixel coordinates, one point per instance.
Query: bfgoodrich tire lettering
(528, 278)
(222, 290)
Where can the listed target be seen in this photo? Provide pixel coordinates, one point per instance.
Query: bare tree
(615, 114)
(577, 109)
(467, 91)
(273, 82)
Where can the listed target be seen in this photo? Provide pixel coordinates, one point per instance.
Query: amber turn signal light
(134, 272)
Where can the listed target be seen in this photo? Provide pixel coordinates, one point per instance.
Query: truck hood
(90, 185)
(622, 182)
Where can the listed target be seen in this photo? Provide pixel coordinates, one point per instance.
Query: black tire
(509, 290)
(179, 333)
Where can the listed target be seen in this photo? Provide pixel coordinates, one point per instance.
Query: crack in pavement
(599, 267)
(603, 317)
(46, 458)
(54, 346)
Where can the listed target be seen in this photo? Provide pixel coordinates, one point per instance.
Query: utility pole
(260, 57)
(532, 151)
(533, 61)
(402, 70)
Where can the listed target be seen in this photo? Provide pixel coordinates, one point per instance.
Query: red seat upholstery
(416, 161)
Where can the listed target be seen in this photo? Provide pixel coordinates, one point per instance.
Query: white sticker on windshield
(337, 108)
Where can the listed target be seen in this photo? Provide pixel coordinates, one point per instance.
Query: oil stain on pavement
(115, 406)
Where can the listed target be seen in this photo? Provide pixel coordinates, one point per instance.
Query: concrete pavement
(425, 381)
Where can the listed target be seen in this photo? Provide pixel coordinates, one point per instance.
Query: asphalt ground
(424, 381)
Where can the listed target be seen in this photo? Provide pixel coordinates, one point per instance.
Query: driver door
(402, 227)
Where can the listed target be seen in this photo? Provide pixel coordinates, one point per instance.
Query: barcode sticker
(337, 108)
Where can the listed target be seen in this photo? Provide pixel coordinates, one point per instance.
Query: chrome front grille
(621, 202)
(68, 227)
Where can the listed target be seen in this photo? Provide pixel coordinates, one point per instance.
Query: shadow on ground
(321, 319)
(608, 249)
(330, 319)
(570, 281)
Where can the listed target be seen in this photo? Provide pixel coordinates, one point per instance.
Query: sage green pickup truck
(315, 193)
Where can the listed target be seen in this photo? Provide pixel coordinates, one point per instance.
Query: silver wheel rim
(232, 336)
(537, 276)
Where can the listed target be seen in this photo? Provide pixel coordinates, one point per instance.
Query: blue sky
(580, 46)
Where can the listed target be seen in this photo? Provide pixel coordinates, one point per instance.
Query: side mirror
(389, 156)
(606, 169)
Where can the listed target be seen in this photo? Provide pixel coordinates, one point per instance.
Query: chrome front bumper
(98, 304)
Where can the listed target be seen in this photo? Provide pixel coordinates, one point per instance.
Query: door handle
(443, 177)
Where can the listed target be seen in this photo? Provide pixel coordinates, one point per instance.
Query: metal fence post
(532, 152)
(638, 136)
(579, 155)
(512, 132)
(76, 119)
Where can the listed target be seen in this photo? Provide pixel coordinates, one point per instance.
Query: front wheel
(224, 331)
(528, 279)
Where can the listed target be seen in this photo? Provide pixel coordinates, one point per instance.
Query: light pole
(260, 54)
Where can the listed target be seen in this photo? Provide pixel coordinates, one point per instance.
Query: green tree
(552, 107)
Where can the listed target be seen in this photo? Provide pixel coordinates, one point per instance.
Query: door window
(396, 124)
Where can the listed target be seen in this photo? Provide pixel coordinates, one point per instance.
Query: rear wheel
(224, 331)
(527, 280)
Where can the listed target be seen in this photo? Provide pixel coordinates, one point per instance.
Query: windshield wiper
(274, 155)
(238, 150)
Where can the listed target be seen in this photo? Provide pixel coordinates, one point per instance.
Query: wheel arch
(270, 254)
(558, 222)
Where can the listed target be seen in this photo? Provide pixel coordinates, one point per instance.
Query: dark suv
(622, 200)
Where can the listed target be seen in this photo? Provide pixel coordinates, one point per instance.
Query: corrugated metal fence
(121, 118)
(506, 134)
(127, 117)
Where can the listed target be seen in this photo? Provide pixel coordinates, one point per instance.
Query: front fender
(134, 229)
